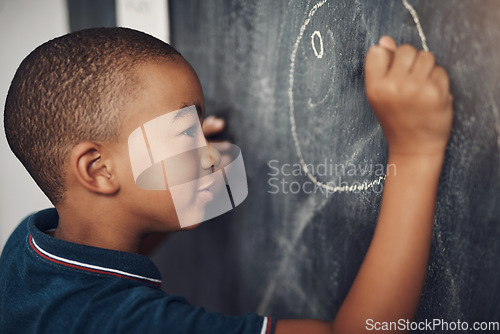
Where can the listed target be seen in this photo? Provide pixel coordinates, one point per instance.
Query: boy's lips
(206, 195)
(205, 192)
(207, 185)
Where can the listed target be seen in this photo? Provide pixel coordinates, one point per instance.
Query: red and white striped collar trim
(89, 267)
(266, 325)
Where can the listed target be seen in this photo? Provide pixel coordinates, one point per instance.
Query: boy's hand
(410, 96)
(213, 125)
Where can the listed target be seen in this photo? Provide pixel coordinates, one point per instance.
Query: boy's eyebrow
(183, 112)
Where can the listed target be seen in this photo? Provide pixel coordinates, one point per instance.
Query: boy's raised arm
(410, 97)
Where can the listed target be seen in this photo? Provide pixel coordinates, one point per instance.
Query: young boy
(70, 109)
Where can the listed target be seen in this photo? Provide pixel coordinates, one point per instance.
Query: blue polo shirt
(49, 285)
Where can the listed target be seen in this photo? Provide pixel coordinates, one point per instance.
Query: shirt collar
(87, 258)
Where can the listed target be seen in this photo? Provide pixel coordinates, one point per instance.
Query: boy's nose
(210, 158)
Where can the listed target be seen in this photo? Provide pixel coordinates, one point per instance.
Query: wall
(24, 25)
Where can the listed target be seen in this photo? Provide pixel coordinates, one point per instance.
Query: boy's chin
(190, 227)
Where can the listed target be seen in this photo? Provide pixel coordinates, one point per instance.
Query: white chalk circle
(346, 188)
(356, 186)
(319, 54)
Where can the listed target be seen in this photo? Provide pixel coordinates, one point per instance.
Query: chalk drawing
(312, 104)
(305, 211)
(328, 187)
(330, 91)
(319, 54)
(293, 127)
(417, 23)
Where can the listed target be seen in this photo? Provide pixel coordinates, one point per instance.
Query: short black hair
(72, 89)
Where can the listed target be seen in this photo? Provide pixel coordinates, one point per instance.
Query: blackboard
(91, 13)
(296, 254)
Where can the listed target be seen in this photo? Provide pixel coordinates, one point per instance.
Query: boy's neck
(97, 228)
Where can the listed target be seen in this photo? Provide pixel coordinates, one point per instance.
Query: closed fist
(410, 97)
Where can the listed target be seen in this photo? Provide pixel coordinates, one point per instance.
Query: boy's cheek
(155, 205)
(158, 208)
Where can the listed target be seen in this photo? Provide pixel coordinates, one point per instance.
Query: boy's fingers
(388, 43)
(377, 63)
(404, 59)
(424, 64)
(213, 125)
(439, 76)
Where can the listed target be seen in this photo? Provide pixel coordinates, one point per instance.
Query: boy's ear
(92, 170)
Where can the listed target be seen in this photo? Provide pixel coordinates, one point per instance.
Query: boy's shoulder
(67, 287)
(14, 242)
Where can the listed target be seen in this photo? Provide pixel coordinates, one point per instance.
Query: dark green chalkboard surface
(287, 252)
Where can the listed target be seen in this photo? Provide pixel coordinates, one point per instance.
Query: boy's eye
(191, 131)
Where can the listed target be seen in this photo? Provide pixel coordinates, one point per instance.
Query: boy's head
(74, 89)
(72, 105)
(104, 118)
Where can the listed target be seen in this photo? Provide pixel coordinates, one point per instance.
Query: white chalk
(320, 53)
(417, 23)
(293, 127)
